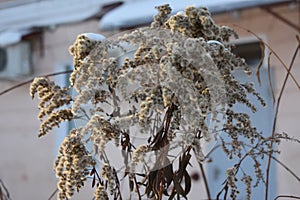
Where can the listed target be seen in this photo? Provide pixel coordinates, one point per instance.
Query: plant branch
(212, 150)
(275, 118)
(6, 194)
(137, 188)
(205, 180)
(29, 81)
(53, 193)
(237, 166)
(285, 167)
(286, 196)
(118, 185)
(276, 55)
(280, 163)
(274, 158)
(269, 77)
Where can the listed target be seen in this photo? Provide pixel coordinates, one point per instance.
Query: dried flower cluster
(101, 132)
(231, 180)
(176, 89)
(138, 156)
(52, 98)
(247, 180)
(72, 165)
(109, 174)
(100, 193)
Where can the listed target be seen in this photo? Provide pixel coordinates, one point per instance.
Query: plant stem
(53, 193)
(137, 188)
(6, 194)
(286, 168)
(286, 196)
(205, 180)
(275, 54)
(275, 119)
(29, 81)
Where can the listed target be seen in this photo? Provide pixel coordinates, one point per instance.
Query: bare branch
(275, 118)
(53, 193)
(4, 195)
(269, 77)
(286, 196)
(205, 180)
(276, 55)
(29, 81)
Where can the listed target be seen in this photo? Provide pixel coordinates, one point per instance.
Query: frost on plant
(171, 85)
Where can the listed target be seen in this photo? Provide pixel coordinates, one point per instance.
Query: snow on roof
(9, 37)
(140, 12)
(19, 18)
(16, 20)
(94, 36)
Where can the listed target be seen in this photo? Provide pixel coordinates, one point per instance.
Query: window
(16, 60)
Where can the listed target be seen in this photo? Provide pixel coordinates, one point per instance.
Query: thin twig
(262, 45)
(5, 189)
(279, 162)
(118, 185)
(205, 180)
(276, 55)
(29, 81)
(275, 118)
(226, 190)
(212, 150)
(53, 193)
(274, 158)
(269, 77)
(137, 188)
(237, 167)
(286, 167)
(281, 18)
(286, 196)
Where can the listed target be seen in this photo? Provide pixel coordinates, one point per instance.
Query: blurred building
(34, 39)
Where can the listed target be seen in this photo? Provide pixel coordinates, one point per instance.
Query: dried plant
(176, 92)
